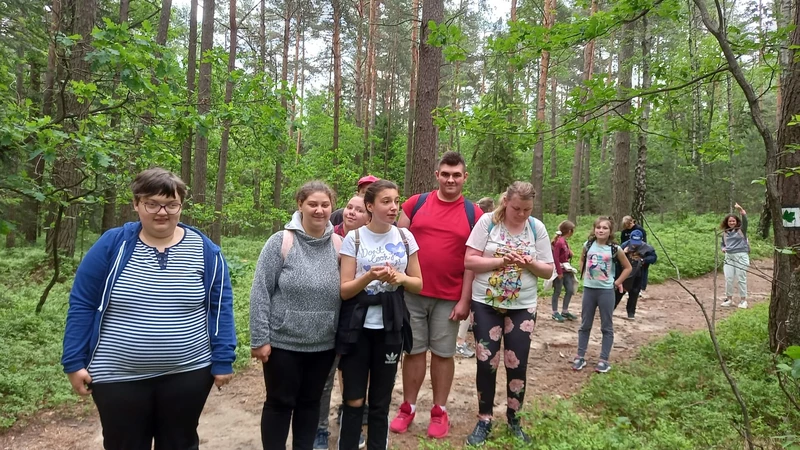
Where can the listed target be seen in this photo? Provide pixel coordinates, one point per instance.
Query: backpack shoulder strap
(532, 222)
(470, 207)
(337, 244)
(358, 242)
(420, 201)
(286, 243)
(405, 241)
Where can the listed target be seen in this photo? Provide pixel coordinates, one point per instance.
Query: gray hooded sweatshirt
(294, 304)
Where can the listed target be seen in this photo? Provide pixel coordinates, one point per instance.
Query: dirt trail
(232, 416)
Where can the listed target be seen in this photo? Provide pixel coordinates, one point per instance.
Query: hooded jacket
(94, 281)
(294, 303)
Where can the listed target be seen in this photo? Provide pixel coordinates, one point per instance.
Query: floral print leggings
(515, 327)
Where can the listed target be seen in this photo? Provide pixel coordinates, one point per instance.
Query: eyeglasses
(155, 208)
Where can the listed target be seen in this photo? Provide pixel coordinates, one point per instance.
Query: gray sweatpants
(735, 268)
(592, 300)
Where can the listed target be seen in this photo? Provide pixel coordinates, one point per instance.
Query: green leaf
(793, 352)
(796, 369)
(788, 216)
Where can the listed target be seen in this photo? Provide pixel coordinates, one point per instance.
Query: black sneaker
(480, 434)
(516, 431)
(578, 363)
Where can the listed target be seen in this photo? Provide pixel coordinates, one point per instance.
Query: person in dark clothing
(379, 262)
(337, 217)
(642, 255)
(628, 226)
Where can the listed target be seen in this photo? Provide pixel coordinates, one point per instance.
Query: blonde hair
(522, 189)
(627, 220)
(486, 204)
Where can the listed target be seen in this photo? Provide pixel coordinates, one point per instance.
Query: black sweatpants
(294, 383)
(165, 408)
(372, 362)
(515, 327)
(633, 296)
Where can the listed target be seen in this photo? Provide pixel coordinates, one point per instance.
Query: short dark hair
(374, 189)
(311, 187)
(452, 159)
(158, 181)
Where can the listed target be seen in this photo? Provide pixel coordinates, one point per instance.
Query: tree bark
(66, 173)
(191, 72)
(203, 105)
(32, 207)
(537, 169)
(580, 139)
(784, 313)
(641, 160)
(52, 60)
(620, 192)
(553, 196)
(110, 192)
(412, 97)
(216, 229)
(337, 71)
(278, 182)
(426, 135)
(357, 69)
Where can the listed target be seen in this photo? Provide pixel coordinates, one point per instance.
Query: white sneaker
(743, 304)
(727, 303)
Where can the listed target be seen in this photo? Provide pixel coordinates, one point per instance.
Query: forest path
(231, 418)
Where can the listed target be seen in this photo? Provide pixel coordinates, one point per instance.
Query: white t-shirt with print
(509, 287)
(378, 250)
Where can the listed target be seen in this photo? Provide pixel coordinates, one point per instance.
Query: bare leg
(442, 372)
(413, 375)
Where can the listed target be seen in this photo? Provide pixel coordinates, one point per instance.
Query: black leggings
(515, 327)
(165, 409)
(294, 383)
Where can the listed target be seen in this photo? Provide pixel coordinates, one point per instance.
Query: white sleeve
(480, 233)
(544, 251)
(349, 245)
(413, 247)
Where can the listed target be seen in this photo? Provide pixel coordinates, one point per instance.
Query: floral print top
(510, 286)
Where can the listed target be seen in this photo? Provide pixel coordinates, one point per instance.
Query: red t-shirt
(441, 230)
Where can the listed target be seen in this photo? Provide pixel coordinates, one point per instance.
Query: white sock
(413, 408)
(443, 408)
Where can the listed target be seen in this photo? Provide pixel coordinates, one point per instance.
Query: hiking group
(150, 324)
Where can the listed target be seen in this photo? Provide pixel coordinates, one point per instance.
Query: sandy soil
(232, 416)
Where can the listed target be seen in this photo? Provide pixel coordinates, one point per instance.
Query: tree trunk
(610, 72)
(553, 143)
(784, 313)
(389, 105)
(641, 160)
(66, 172)
(32, 207)
(298, 25)
(191, 72)
(203, 105)
(52, 60)
(163, 22)
(337, 71)
(578, 160)
(412, 97)
(357, 69)
(537, 169)
(620, 191)
(426, 135)
(369, 86)
(278, 182)
(110, 193)
(216, 229)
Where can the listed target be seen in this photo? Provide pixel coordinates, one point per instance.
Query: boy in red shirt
(442, 227)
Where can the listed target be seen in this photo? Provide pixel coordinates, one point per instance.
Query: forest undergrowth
(673, 388)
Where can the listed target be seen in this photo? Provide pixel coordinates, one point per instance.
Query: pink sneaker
(440, 423)
(403, 420)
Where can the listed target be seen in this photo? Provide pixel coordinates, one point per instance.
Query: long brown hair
(724, 225)
(597, 222)
(522, 189)
(564, 228)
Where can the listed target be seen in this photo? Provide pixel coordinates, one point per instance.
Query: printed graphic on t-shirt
(505, 282)
(598, 267)
(391, 254)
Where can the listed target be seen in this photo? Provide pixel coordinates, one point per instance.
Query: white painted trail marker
(791, 217)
